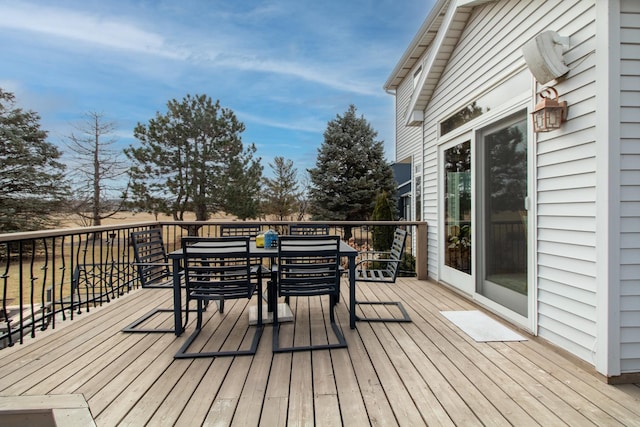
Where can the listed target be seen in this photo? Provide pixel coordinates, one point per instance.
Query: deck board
(418, 373)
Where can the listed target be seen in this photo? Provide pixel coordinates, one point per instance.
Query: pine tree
(382, 235)
(281, 192)
(192, 159)
(32, 184)
(350, 171)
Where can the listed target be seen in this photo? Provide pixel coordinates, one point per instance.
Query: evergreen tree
(192, 159)
(32, 184)
(382, 235)
(350, 171)
(281, 193)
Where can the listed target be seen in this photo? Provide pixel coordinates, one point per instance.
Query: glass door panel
(504, 218)
(457, 207)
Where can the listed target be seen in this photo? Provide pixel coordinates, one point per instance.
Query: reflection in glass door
(503, 258)
(457, 213)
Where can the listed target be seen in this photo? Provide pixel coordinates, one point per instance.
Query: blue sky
(285, 67)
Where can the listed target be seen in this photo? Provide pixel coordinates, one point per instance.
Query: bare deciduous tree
(98, 170)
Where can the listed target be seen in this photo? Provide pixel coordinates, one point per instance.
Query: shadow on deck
(424, 372)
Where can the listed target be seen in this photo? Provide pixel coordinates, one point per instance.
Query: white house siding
(408, 138)
(488, 52)
(630, 187)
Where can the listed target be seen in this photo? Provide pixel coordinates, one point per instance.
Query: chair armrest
(372, 255)
(261, 268)
(373, 252)
(151, 264)
(388, 261)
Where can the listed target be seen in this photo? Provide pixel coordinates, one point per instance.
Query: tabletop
(345, 250)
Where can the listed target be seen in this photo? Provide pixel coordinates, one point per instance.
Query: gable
(438, 36)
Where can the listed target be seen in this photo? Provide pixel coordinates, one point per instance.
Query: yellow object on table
(260, 241)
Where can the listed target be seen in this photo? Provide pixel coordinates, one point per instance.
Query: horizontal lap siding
(566, 196)
(430, 176)
(488, 51)
(408, 138)
(630, 187)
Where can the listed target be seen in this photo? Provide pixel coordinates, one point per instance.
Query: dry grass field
(133, 217)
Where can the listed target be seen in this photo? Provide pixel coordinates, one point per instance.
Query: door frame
(446, 274)
(480, 229)
(522, 102)
(530, 323)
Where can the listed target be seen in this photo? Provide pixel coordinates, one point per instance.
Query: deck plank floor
(424, 372)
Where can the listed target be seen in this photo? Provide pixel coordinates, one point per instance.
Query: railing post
(422, 252)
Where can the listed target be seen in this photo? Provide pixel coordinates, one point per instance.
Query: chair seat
(374, 276)
(390, 261)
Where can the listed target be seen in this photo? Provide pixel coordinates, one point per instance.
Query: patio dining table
(260, 252)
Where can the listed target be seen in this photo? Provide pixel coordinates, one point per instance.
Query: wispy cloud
(322, 76)
(83, 28)
(303, 125)
(218, 51)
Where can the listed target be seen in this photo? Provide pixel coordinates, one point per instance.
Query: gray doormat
(481, 327)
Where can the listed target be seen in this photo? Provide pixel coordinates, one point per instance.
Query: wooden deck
(419, 373)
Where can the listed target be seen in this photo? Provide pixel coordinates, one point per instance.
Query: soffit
(437, 37)
(449, 33)
(419, 45)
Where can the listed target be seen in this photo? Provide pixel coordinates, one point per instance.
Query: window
(417, 191)
(416, 76)
(486, 102)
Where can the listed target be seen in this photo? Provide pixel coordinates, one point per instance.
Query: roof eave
(417, 47)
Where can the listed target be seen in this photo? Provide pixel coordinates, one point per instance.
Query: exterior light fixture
(544, 56)
(549, 113)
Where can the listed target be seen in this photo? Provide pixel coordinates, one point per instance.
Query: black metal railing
(56, 275)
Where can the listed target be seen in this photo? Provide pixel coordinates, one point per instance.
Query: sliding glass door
(502, 214)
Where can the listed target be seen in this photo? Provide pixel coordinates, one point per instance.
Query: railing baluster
(32, 280)
(21, 288)
(5, 277)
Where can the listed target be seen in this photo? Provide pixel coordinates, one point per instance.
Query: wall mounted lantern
(549, 113)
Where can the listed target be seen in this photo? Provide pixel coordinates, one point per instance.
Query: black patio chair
(231, 230)
(308, 230)
(251, 231)
(217, 269)
(382, 267)
(309, 266)
(154, 272)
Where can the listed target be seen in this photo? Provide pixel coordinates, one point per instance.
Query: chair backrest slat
(150, 256)
(229, 230)
(397, 248)
(309, 230)
(308, 265)
(218, 267)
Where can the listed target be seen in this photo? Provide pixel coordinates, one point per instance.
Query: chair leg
(342, 343)
(183, 354)
(405, 316)
(133, 327)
